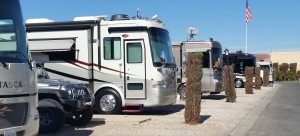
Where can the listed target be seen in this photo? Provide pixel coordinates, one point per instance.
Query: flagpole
(246, 45)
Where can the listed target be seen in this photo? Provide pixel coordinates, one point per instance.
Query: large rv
(212, 74)
(128, 63)
(18, 83)
(266, 65)
(240, 61)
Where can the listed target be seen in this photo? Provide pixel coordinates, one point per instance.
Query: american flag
(248, 13)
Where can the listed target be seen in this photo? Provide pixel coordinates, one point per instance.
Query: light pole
(226, 51)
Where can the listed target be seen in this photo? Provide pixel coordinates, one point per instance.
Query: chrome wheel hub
(108, 102)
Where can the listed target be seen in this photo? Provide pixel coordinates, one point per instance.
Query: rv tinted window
(112, 48)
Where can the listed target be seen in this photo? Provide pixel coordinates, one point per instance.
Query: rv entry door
(135, 72)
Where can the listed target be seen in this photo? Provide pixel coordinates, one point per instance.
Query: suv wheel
(51, 116)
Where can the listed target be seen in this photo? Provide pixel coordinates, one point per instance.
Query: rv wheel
(181, 92)
(108, 101)
(239, 83)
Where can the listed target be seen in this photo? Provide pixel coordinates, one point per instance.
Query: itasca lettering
(6, 84)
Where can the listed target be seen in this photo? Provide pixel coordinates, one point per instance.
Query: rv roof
(196, 50)
(39, 20)
(84, 18)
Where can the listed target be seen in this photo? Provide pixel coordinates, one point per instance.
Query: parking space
(217, 118)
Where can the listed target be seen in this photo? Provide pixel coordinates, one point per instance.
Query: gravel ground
(217, 118)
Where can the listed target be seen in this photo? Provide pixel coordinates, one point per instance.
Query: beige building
(286, 57)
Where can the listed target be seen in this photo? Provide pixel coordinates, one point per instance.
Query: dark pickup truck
(62, 102)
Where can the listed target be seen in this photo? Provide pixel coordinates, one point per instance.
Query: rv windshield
(161, 44)
(7, 35)
(13, 48)
(217, 56)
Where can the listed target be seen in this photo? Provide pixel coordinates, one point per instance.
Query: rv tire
(108, 101)
(239, 83)
(181, 91)
(51, 116)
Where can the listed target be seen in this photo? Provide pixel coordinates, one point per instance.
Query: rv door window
(134, 53)
(112, 48)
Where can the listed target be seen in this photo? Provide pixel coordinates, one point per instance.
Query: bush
(229, 87)
(193, 88)
(293, 68)
(266, 77)
(292, 75)
(257, 78)
(249, 80)
(284, 67)
(298, 75)
(276, 71)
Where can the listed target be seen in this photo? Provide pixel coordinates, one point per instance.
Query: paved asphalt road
(278, 115)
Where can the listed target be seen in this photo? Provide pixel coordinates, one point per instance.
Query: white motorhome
(212, 75)
(18, 82)
(128, 63)
(266, 65)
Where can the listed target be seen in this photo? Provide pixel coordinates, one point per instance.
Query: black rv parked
(240, 61)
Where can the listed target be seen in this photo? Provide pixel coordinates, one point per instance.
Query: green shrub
(284, 67)
(292, 75)
(276, 71)
(298, 75)
(193, 88)
(249, 80)
(266, 77)
(257, 78)
(293, 68)
(229, 87)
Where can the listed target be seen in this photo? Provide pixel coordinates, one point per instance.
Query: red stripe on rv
(93, 64)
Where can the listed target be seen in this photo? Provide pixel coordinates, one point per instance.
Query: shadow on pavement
(163, 110)
(71, 130)
(213, 97)
(204, 118)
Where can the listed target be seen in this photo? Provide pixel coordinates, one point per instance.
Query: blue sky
(275, 25)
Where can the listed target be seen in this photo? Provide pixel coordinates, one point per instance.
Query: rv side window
(134, 53)
(112, 48)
